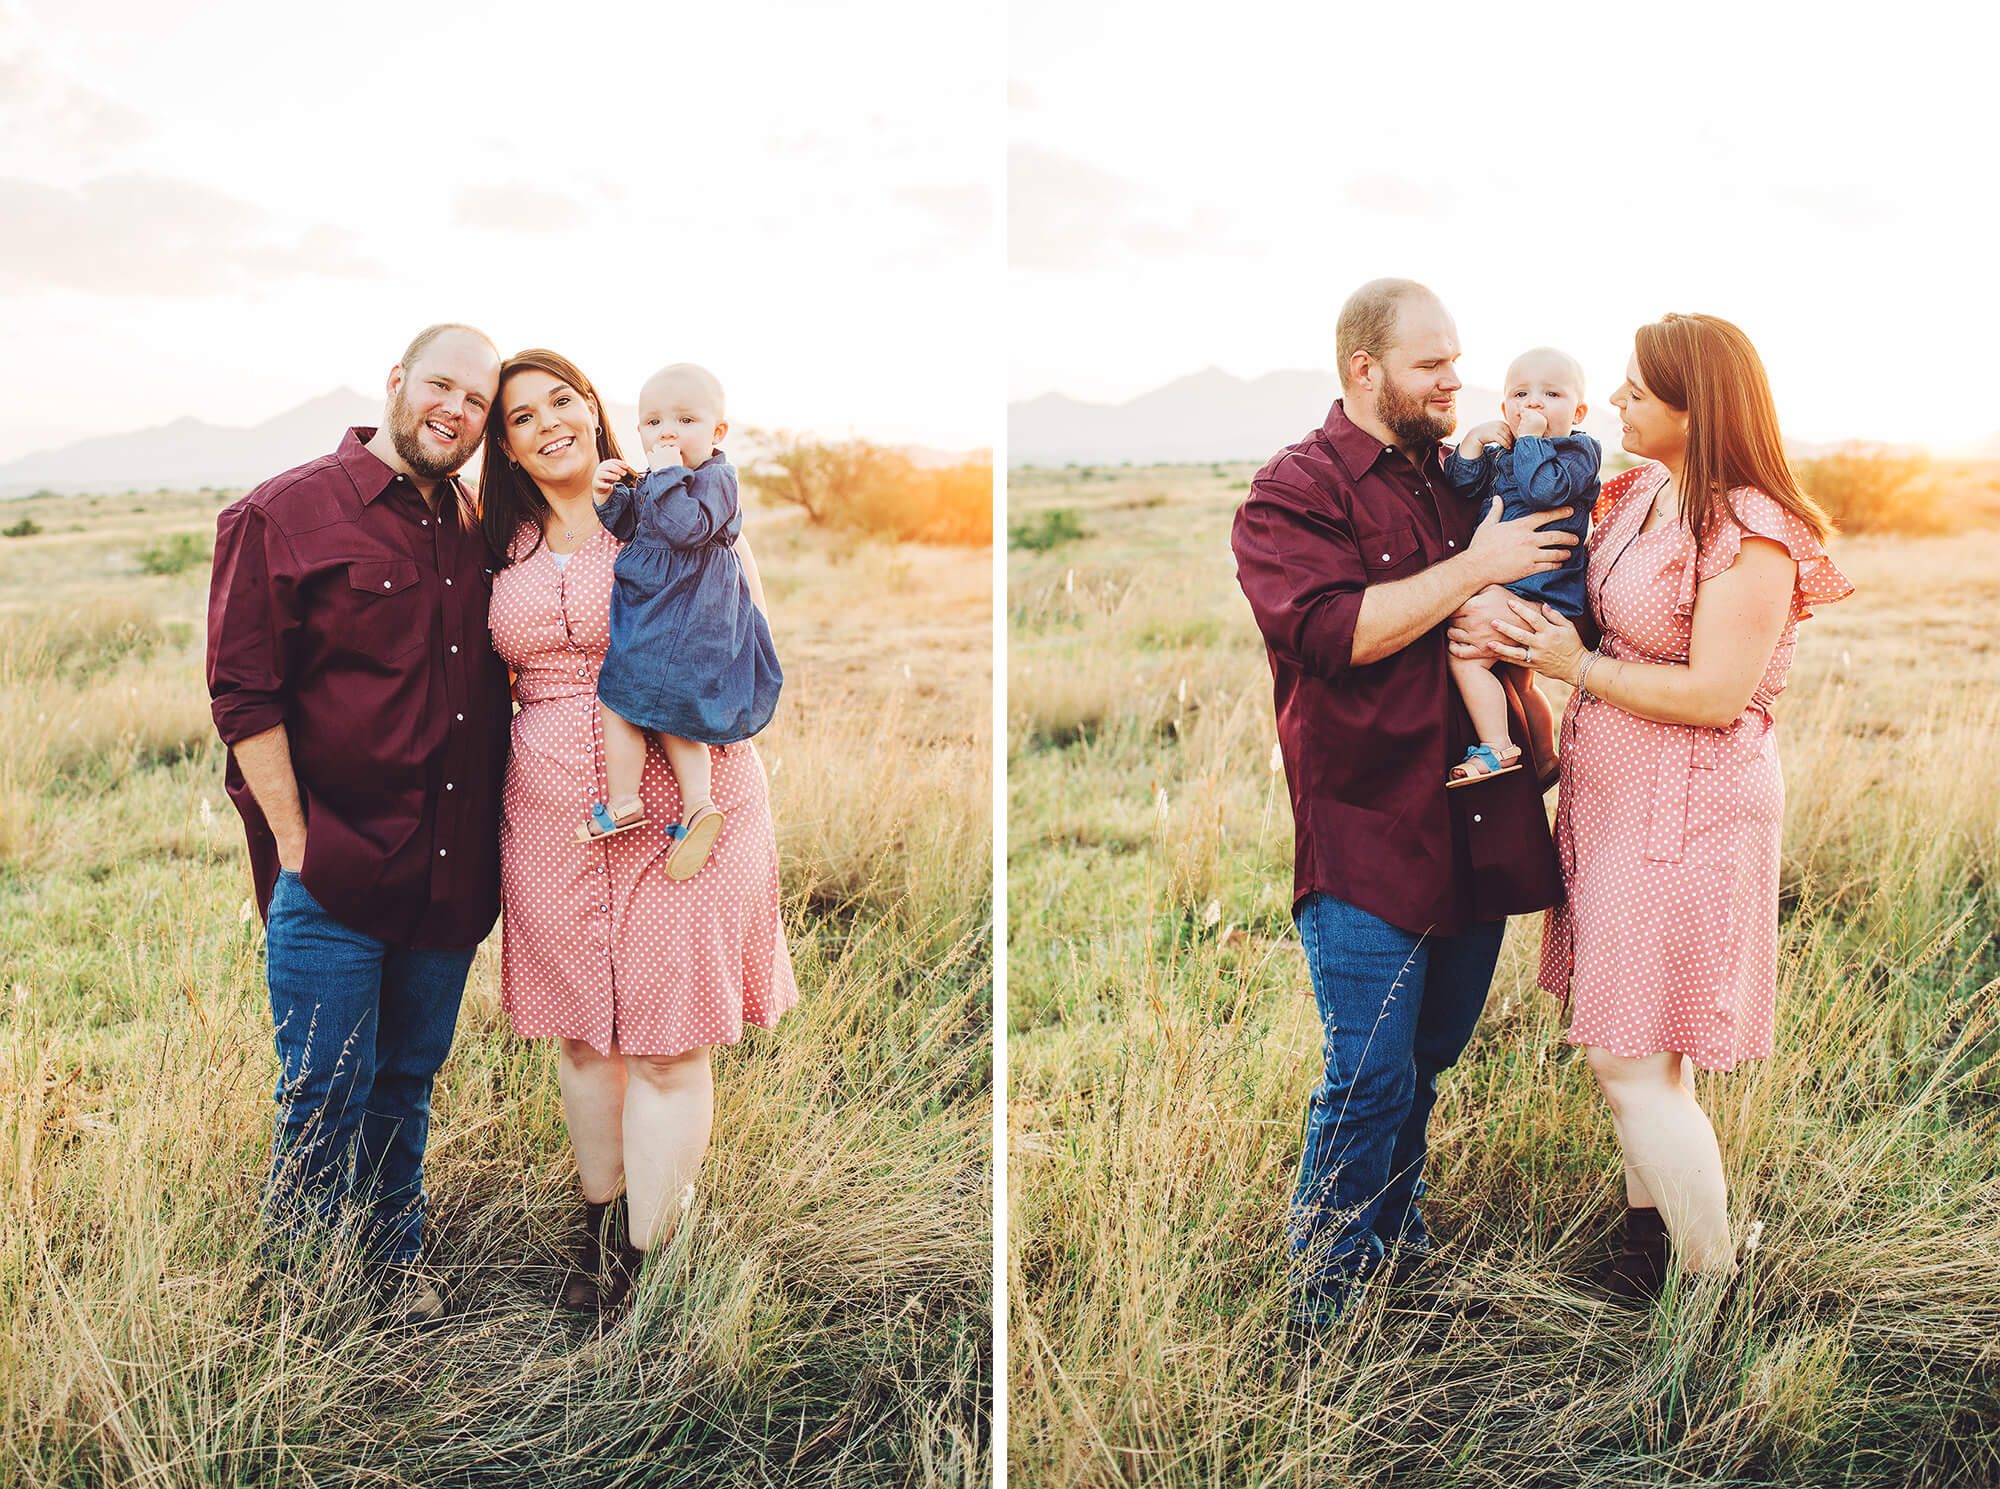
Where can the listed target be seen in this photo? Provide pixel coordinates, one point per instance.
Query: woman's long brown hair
(1707, 368)
(507, 498)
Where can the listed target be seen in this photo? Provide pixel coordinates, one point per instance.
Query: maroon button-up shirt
(1366, 749)
(343, 608)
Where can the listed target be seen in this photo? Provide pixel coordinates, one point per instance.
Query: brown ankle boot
(622, 1264)
(592, 1245)
(1637, 1272)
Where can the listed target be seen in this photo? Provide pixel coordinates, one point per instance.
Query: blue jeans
(1397, 1010)
(362, 1028)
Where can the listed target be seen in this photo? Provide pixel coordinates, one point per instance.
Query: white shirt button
(1476, 817)
(440, 853)
(460, 717)
(1385, 558)
(447, 785)
(454, 651)
(1450, 543)
(425, 521)
(385, 584)
(447, 581)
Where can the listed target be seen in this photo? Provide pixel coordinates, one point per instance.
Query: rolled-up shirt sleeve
(253, 622)
(1299, 567)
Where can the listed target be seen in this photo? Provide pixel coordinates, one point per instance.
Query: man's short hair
(1368, 319)
(420, 343)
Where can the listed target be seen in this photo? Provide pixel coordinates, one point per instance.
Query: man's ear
(1360, 371)
(395, 383)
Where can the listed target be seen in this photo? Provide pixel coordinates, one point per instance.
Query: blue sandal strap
(1485, 754)
(602, 817)
(674, 830)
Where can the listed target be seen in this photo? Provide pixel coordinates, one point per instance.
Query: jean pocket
(290, 888)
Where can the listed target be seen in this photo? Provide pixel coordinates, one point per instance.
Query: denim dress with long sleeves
(1536, 475)
(690, 651)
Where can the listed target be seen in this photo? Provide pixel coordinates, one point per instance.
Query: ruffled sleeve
(1752, 513)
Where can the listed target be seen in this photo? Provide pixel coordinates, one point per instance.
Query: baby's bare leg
(624, 759)
(1485, 698)
(1535, 708)
(688, 759)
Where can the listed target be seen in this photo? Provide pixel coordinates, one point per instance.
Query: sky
(221, 210)
(1191, 187)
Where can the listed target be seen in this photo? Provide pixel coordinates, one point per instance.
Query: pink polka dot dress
(1669, 833)
(597, 943)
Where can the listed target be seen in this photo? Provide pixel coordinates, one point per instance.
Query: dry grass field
(825, 1318)
(1163, 1040)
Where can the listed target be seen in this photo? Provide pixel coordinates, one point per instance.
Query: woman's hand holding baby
(1545, 640)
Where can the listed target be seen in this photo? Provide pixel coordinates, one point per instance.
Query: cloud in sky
(1378, 192)
(39, 98)
(517, 209)
(143, 234)
(957, 209)
(273, 240)
(1065, 214)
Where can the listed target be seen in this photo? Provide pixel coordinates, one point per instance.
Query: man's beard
(404, 427)
(1411, 420)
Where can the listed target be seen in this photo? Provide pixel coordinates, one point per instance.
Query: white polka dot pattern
(596, 941)
(1668, 833)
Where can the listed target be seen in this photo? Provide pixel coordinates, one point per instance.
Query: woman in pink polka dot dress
(1672, 800)
(637, 974)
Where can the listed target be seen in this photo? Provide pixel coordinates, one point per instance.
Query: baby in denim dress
(690, 661)
(1533, 460)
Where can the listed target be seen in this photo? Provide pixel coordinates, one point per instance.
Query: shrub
(27, 527)
(862, 487)
(180, 552)
(1874, 489)
(1049, 529)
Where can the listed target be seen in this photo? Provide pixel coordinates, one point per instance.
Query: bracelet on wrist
(1583, 676)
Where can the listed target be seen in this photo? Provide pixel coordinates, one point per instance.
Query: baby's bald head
(1549, 364)
(1548, 381)
(685, 401)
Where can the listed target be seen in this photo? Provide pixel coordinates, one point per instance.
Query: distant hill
(189, 454)
(1209, 415)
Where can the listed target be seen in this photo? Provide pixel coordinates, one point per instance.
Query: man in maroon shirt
(1354, 554)
(366, 718)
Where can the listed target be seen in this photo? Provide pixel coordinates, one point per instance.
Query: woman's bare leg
(1670, 1152)
(624, 760)
(1637, 1195)
(593, 1094)
(669, 1109)
(688, 759)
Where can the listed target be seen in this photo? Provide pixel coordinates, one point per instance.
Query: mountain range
(189, 453)
(1209, 416)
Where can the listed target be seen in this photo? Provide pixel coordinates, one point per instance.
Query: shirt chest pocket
(388, 618)
(1390, 552)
